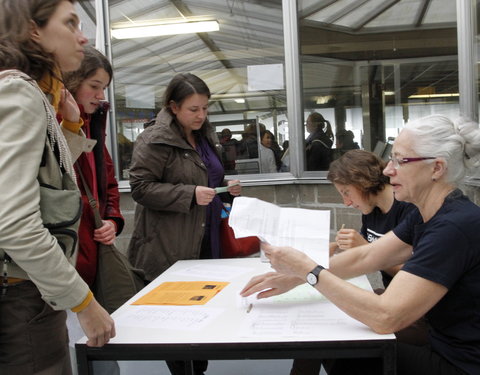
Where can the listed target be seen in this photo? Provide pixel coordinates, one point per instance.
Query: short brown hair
(359, 168)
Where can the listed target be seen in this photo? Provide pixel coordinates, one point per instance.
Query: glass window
(242, 63)
(368, 67)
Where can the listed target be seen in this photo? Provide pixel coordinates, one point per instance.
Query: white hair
(457, 142)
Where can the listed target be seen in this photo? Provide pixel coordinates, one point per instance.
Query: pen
(249, 308)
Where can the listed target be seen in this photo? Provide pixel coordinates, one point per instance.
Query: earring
(434, 179)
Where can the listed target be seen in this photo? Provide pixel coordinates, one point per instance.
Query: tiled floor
(250, 367)
(234, 367)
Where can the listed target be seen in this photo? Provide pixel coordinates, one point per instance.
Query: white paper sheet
(301, 294)
(319, 319)
(212, 273)
(302, 229)
(300, 312)
(168, 317)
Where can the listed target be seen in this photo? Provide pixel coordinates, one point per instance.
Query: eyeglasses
(397, 162)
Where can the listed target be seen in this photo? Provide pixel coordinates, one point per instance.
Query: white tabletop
(291, 321)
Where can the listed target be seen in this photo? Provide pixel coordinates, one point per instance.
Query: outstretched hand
(270, 284)
(288, 260)
(292, 267)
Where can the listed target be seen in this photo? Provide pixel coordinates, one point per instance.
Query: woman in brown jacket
(176, 165)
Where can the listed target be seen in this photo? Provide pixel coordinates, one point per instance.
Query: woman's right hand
(204, 195)
(97, 324)
(348, 238)
(68, 107)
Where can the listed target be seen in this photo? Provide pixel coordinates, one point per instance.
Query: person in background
(285, 147)
(38, 40)
(87, 85)
(275, 147)
(248, 146)
(176, 166)
(285, 157)
(267, 156)
(440, 277)
(318, 146)
(359, 179)
(344, 141)
(229, 152)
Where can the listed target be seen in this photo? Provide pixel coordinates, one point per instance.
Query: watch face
(312, 279)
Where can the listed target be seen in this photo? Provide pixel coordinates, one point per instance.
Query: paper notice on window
(303, 229)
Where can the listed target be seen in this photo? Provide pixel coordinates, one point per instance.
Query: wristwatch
(312, 276)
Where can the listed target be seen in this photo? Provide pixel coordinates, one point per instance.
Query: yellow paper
(185, 293)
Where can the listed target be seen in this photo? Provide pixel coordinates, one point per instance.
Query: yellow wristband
(74, 127)
(84, 304)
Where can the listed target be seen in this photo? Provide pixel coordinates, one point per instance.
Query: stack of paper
(302, 229)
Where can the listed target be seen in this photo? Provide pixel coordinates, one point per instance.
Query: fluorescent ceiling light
(425, 96)
(324, 99)
(170, 28)
(239, 101)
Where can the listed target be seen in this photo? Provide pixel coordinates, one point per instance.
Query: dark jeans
(33, 337)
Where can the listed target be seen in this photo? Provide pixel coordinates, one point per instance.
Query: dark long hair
(182, 86)
(320, 123)
(92, 61)
(17, 49)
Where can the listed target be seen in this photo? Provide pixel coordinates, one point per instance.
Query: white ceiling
(251, 33)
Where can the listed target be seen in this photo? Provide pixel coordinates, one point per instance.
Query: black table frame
(385, 349)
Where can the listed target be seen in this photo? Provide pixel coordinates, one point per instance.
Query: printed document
(303, 229)
(182, 293)
(300, 312)
(168, 317)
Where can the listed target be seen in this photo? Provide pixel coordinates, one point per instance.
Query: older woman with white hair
(441, 278)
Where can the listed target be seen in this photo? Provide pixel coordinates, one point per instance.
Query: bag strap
(318, 140)
(92, 201)
(224, 209)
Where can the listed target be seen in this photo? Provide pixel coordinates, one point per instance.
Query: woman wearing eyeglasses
(440, 277)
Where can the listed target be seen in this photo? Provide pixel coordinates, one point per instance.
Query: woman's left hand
(234, 190)
(288, 260)
(270, 284)
(106, 233)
